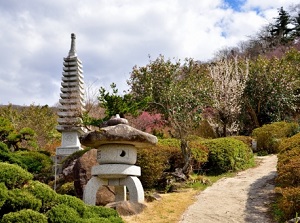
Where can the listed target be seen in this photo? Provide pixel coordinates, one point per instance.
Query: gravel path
(243, 198)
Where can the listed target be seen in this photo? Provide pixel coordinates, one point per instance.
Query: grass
(172, 205)
(167, 210)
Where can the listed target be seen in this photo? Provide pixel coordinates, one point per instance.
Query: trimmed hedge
(99, 211)
(19, 199)
(288, 166)
(288, 179)
(62, 213)
(73, 202)
(7, 156)
(26, 215)
(43, 192)
(13, 175)
(227, 154)
(154, 161)
(34, 161)
(166, 156)
(269, 136)
(18, 192)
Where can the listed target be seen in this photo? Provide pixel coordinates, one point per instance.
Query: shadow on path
(260, 196)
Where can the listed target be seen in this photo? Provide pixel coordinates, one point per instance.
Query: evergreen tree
(281, 31)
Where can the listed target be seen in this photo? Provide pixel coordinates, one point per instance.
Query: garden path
(245, 197)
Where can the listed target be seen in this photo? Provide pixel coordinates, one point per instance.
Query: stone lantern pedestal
(117, 147)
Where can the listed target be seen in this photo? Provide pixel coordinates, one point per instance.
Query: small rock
(152, 197)
(127, 208)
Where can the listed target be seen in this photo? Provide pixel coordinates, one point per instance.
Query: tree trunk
(187, 155)
(224, 129)
(253, 116)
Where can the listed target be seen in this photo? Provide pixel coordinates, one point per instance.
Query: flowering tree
(271, 90)
(149, 122)
(229, 80)
(178, 91)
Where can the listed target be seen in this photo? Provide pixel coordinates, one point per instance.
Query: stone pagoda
(71, 104)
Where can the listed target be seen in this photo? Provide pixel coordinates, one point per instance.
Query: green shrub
(245, 139)
(4, 148)
(67, 188)
(72, 202)
(43, 192)
(166, 156)
(28, 216)
(13, 175)
(269, 136)
(34, 161)
(62, 213)
(3, 194)
(157, 159)
(288, 165)
(104, 220)
(288, 202)
(288, 178)
(19, 199)
(227, 154)
(100, 212)
(290, 143)
(7, 156)
(199, 154)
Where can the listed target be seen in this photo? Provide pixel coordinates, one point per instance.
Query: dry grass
(167, 210)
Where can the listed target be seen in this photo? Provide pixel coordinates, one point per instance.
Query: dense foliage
(273, 82)
(25, 200)
(269, 136)
(179, 91)
(288, 179)
(27, 121)
(227, 154)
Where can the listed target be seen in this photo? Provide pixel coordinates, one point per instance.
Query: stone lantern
(117, 146)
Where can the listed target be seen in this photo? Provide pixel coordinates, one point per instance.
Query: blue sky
(112, 37)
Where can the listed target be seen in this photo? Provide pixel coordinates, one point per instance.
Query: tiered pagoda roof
(72, 92)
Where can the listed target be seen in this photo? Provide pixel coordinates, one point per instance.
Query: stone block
(107, 171)
(116, 153)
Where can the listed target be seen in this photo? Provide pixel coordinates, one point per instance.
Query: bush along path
(244, 198)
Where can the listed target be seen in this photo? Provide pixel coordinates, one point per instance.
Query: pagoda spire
(72, 52)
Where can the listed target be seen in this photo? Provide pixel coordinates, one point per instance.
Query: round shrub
(62, 213)
(72, 202)
(43, 192)
(34, 161)
(28, 216)
(7, 156)
(269, 136)
(13, 175)
(157, 159)
(19, 199)
(288, 165)
(245, 139)
(227, 154)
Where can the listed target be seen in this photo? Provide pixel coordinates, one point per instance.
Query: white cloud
(112, 37)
